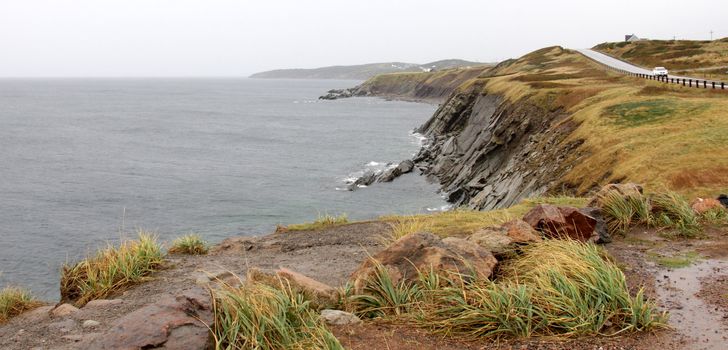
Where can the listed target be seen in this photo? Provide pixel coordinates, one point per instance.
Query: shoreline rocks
(387, 175)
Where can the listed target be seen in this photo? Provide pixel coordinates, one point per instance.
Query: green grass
(258, 316)
(555, 288)
(638, 113)
(323, 221)
(191, 244)
(623, 212)
(675, 261)
(14, 301)
(111, 269)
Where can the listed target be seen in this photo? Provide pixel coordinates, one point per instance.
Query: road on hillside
(619, 64)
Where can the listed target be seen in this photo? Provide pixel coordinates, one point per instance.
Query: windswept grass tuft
(111, 269)
(555, 288)
(382, 296)
(14, 301)
(673, 210)
(622, 212)
(404, 225)
(321, 222)
(191, 244)
(258, 316)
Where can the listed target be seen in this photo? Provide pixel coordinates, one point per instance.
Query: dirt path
(694, 295)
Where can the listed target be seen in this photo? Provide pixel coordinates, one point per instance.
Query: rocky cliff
(487, 152)
(432, 87)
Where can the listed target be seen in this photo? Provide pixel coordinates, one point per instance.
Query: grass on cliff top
(191, 244)
(463, 222)
(555, 288)
(702, 59)
(323, 221)
(629, 129)
(258, 316)
(111, 269)
(14, 301)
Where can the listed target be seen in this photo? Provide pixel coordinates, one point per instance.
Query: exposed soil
(696, 296)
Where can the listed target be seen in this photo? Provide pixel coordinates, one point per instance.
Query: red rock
(557, 222)
(423, 251)
(702, 205)
(173, 322)
(314, 288)
(521, 232)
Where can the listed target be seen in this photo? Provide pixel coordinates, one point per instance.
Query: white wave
(442, 208)
(419, 139)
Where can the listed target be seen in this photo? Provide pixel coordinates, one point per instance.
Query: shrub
(321, 222)
(258, 316)
(14, 301)
(404, 225)
(111, 269)
(191, 244)
(382, 296)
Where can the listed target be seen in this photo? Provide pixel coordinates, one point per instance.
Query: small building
(631, 37)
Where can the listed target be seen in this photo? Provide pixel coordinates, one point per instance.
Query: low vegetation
(259, 316)
(627, 129)
(664, 210)
(463, 222)
(557, 287)
(321, 222)
(674, 261)
(111, 269)
(191, 244)
(702, 59)
(14, 301)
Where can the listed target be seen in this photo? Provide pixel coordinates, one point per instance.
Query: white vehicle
(659, 71)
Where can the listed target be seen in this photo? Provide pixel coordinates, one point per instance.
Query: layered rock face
(490, 153)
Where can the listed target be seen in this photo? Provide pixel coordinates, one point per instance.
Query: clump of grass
(622, 212)
(259, 316)
(321, 222)
(191, 244)
(383, 296)
(404, 225)
(715, 216)
(111, 269)
(673, 210)
(14, 301)
(556, 287)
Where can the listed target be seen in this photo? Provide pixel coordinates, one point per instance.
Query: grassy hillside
(704, 59)
(629, 129)
(421, 85)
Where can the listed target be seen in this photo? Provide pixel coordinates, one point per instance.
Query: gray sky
(44, 38)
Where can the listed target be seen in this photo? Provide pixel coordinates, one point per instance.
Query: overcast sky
(237, 38)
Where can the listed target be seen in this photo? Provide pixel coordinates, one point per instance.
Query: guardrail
(687, 82)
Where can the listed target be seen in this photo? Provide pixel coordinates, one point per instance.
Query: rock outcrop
(423, 251)
(557, 222)
(488, 152)
(505, 239)
(387, 175)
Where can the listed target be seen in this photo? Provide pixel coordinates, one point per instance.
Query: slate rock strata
(489, 153)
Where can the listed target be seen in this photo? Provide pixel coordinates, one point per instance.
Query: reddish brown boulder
(315, 290)
(422, 251)
(170, 323)
(558, 222)
(702, 205)
(625, 190)
(506, 238)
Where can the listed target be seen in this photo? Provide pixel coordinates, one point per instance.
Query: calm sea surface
(84, 162)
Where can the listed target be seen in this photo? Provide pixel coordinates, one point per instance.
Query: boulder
(64, 310)
(557, 222)
(422, 251)
(319, 292)
(102, 303)
(702, 205)
(506, 238)
(339, 318)
(600, 230)
(90, 324)
(173, 322)
(626, 190)
(723, 199)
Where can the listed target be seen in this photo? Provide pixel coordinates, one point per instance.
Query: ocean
(85, 162)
